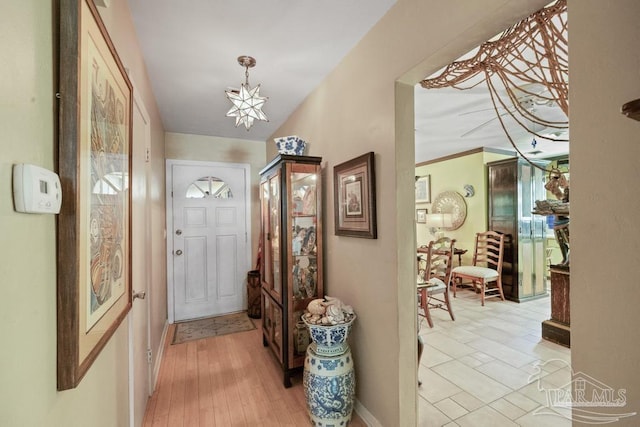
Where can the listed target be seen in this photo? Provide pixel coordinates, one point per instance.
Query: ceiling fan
(527, 97)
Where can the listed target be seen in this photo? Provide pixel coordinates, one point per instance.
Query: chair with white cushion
(486, 268)
(434, 276)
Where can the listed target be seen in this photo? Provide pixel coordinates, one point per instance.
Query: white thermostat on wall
(36, 190)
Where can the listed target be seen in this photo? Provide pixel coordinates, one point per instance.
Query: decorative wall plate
(452, 203)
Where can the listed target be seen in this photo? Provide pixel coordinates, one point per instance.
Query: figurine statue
(558, 185)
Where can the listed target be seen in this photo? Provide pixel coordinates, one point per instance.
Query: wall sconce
(437, 221)
(469, 191)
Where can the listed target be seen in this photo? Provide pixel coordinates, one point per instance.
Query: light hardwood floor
(476, 371)
(231, 380)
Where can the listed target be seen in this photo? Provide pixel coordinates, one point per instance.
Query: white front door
(208, 234)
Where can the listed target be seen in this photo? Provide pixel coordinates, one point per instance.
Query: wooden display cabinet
(291, 262)
(514, 186)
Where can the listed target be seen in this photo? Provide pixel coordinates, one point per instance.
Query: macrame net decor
(524, 67)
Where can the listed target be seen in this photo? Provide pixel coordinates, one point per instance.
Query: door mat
(212, 327)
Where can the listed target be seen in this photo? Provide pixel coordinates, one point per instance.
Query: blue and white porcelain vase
(329, 378)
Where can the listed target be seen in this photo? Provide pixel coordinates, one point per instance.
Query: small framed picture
(423, 189)
(354, 189)
(421, 216)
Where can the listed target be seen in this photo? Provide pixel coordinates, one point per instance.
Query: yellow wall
(28, 251)
(605, 236)
(453, 175)
(180, 146)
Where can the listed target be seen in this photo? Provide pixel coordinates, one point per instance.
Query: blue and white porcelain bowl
(330, 340)
(291, 145)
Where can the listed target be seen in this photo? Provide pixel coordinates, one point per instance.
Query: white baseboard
(366, 416)
(159, 354)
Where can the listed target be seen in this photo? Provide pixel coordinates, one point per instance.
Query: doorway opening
(481, 363)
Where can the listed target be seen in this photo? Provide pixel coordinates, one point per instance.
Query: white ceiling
(450, 121)
(191, 49)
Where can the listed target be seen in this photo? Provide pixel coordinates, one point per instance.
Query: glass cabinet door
(270, 200)
(304, 251)
(274, 232)
(304, 232)
(266, 266)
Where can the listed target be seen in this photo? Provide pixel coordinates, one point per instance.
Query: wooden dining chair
(434, 277)
(486, 268)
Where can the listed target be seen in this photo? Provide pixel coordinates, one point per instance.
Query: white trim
(169, 218)
(131, 371)
(366, 416)
(169, 241)
(158, 359)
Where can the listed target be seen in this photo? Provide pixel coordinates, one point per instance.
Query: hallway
(230, 380)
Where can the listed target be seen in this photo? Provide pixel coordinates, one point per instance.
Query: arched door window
(208, 187)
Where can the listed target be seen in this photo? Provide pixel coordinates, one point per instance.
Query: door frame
(150, 385)
(169, 216)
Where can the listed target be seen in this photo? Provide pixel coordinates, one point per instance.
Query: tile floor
(490, 367)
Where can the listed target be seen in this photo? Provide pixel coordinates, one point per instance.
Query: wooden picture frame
(421, 216)
(354, 190)
(94, 164)
(423, 189)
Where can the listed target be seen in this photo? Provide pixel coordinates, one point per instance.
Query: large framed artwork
(354, 185)
(94, 164)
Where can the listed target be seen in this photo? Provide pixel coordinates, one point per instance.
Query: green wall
(28, 389)
(28, 251)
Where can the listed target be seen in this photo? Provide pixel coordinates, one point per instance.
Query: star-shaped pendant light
(247, 103)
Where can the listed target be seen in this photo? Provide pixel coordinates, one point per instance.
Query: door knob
(178, 232)
(140, 294)
(179, 252)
